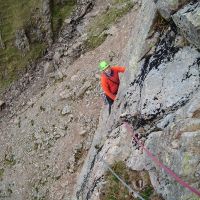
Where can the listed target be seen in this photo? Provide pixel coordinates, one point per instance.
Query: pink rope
(168, 170)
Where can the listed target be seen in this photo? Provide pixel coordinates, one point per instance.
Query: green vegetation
(59, 13)
(15, 14)
(146, 193)
(96, 32)
(114, 190)
(13, 62)
(1, 174)
(25, 14)
(10, 161)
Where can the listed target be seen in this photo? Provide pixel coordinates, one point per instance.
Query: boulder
(188, 21)
(66, 110)
(34, 33)
(48, 68)
(2, 104)
(21, 41)
(56, 57)
(46, 19)
(66, 94)
(168, 7)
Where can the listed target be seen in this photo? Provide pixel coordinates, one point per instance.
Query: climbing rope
(166, 169)
(133, 193)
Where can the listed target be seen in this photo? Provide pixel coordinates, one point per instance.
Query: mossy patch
(15, 15)
(23, 14)
(1, 174)
(186, 164)
(115, 190)
(60, 12)
(147, 193)
(96, 32)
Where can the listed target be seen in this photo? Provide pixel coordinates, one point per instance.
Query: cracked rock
(188, 21)
(166, 7)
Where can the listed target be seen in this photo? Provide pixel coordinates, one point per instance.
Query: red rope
(168, 170)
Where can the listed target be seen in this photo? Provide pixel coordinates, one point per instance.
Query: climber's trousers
(110, 102)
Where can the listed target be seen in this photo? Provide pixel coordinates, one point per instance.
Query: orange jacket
(110, 85)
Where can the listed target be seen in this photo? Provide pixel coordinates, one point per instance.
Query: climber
(110, 81)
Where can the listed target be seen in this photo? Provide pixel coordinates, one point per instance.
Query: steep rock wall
(159, 98)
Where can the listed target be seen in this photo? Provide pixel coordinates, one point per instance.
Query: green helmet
(103, 65)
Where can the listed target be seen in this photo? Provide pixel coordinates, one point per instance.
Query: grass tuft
(115, 190)
(96, 32)
(160, 24)
(1, 174)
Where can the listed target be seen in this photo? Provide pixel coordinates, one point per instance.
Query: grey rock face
(114, 143)
(188, 21)
(160, 100)
(168, 7)
(168, 76)
(163, 97)
(46, 11)
(21, 41)
(179, 151)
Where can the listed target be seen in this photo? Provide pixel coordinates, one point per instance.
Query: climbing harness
(133, 193)
(159, 163)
